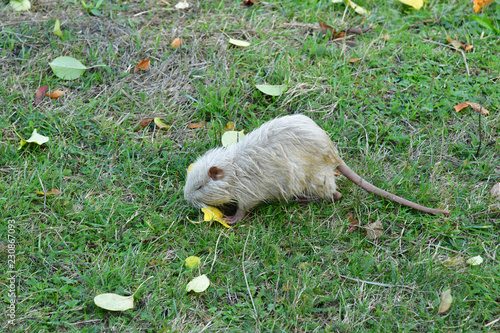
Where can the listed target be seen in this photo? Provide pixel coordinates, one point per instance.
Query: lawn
(385, 96)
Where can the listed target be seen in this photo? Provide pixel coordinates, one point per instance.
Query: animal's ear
(215, 173)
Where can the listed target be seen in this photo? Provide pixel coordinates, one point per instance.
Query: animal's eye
(199, 187)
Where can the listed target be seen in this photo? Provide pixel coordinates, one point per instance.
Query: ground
(120, 216)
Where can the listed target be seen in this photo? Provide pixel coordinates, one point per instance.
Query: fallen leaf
(446, 300)
(57, 29)
(353, 222)
(54, 191)
(20, 5)
(67, 68)
(358, 9)
(475, 261)
(176, 42)
(114, 302)
(386, 37)
(453, 261)
(478, 4)
(143, 65)
(250, 2)
(325, 28)
(374, 230)
(238, 42)
(495, 190)
(192, 262)
(231, 137)
(161, 124)
(36, 138)
(229, 126)
(143, 123)
(417, 4)
(56, 94)
(40, 93)
(198, 284)
(476, 107)
(458, 44)
(189, 168)
(354, 60)
(196, 125)
(182, 5)
(213, 214)
(273, 90)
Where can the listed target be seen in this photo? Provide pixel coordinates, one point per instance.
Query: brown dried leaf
(250, 2)
(478, 4)
(143, 65)
(460, 106)
(56, 94)
(386, 37)
(353, 222)
(176, 42)
(196, 125)
(467, 47)
(455, 43)
(143, 123)
(39, 93)
(354, 60)
(478, 108)
(325, 28)
(374, 230)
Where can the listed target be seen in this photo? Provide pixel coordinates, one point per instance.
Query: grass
(121, 216)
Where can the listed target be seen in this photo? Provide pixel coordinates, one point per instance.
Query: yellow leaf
(478, 4)
(192, 262)
(36, 138)
(231, 137)
(238, 42)
(161, 124)
(417, 4)
(474, 261)
(57, 29)
(229, 126)
(190, 167)
(358, 9)
(446, 300)
(114, 302)
(198, 284)
(213, 214)
(20, 5)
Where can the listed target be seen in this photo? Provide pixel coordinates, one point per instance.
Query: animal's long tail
(356, 179)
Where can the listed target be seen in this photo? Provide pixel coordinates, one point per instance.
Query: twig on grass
(245, 275)
(376, 283)
(492, 322)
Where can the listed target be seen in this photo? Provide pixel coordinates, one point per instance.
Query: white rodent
(285, 158)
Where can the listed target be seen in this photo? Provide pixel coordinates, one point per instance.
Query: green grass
(121, 216)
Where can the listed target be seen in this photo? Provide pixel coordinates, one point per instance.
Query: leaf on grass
(54, 191)
(238, 42)
(56, 94)
(386, 37)
(417, 4)
(230, 126)
(446, 300)
(57, 29)
(495, 190)
(161, 124)
(36, 138)
(273, 90)
(143, 65)
(358, 9)
(143, 123)
(67, 68)
(231, 137)
(20, 5)
(176, 42)
(196, 125)
(325, 28)
(192, 262)
(182, 5)
(114, 302)
(353, 222)
(478, 4)
(374, 230)
(458, 44)
(476, 107)
(190, 167)
(198, 284)
(354, 60)
(213, 214)
(40, 93)
(475, 261)
(453, 261)
(250, 2)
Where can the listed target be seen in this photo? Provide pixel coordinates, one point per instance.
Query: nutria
(285, 158)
